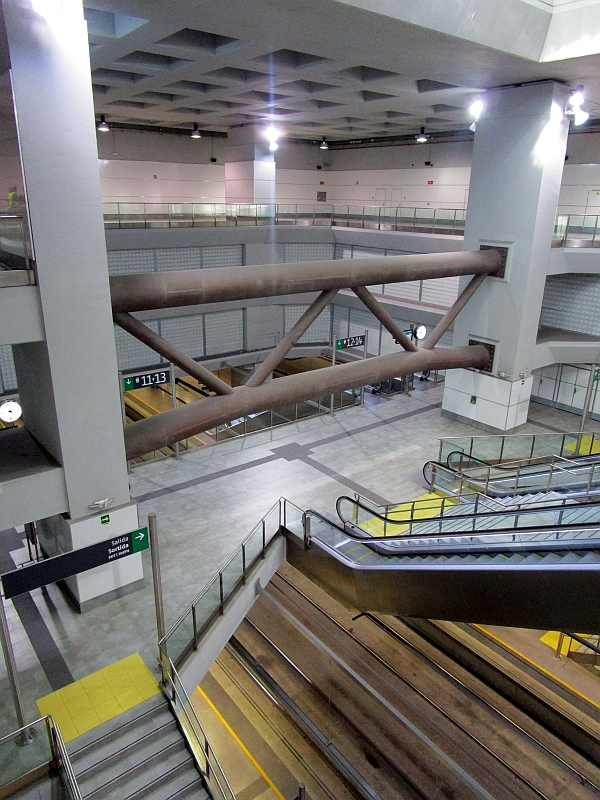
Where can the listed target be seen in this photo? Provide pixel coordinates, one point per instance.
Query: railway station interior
(299, 405)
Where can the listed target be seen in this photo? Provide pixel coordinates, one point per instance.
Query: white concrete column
(68, 384)
(518, 160)
(249, 167)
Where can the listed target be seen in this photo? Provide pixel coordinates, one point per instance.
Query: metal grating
(7, 368)
(224, 332)
(571, 303)
(308, 251)
(171, 258)
(132, 354)
(361, 321)
(409, 290)
(185, 333)
(341, 322)
(319, 331)
(231, 255)
(128, 262)
(440, 291)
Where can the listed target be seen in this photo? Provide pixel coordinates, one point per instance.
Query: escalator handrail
(509, 466)
(442, 518)
(367, 538)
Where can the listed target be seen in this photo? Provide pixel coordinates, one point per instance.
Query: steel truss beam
(191, 287)
(184, 421)
(195, 286)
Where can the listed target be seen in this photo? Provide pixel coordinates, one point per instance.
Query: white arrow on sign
(140, 536)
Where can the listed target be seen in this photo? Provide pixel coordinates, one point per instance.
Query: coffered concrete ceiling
(337, 68)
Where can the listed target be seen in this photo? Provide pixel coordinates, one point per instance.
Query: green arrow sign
(139, 540)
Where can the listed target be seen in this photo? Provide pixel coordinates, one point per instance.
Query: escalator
(535, 567)
(466, 473)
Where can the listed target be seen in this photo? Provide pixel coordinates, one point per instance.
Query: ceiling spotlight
(422, 138)
(580, 116)
(576, 97)
(103, 124)
(420, 332)
(273, 145)
(324, 145)
(195, 134)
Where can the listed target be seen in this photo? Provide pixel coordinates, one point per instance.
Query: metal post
(362, 388)
(586, 402)
(333, 341)
(558, 653)
(301, 791)
(174, 404)
(11, 666)
(158, 598)
(123, 410)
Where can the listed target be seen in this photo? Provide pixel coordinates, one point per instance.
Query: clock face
(421, 332)
(10, 411)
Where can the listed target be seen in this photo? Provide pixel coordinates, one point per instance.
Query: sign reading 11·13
(148, 379)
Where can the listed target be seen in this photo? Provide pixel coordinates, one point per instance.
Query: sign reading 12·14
(148, 379)
(350, 341)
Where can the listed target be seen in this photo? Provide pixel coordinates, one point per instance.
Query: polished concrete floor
(207, 503)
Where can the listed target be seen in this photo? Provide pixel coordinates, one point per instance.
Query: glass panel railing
(204, 756)
(34, 754)
(210, 602)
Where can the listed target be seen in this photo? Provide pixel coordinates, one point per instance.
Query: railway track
(491, 748)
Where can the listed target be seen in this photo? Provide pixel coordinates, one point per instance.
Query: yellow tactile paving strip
(87, 703)
(427, 506)
(568, 645)
(585, 448)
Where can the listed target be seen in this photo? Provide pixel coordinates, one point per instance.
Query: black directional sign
(60, 567)
(148, 379)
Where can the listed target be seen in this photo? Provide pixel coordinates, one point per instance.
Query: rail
(184, 635)
(28, 756)
(577, 230)
(202, 752)
(213, 215)
(503, 448)
(16, 253)
(478, 517)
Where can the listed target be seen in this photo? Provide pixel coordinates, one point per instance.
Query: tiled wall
(124, 262)
(564, 386)
(571, 302)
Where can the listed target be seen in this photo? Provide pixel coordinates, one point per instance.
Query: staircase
(139, 754)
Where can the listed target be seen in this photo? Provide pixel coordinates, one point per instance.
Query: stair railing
(35, 756)
(202, 752)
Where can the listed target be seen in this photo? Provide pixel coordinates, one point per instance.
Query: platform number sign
(350, 341)
(147, 379)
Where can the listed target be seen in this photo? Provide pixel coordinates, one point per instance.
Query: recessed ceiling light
(103, 124)
(195, 134)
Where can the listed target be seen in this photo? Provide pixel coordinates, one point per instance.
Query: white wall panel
(224, 332)
(170, 258)
(571, 302)
(308, 251)
(223, 256)
(319, 332)
(185, 333)
(128, 262)
(131, 353)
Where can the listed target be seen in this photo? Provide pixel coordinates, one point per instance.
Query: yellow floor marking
(239, 742)
(585, 448)
(537, 666)
(569, 645)
(87, 703)
(426, 506)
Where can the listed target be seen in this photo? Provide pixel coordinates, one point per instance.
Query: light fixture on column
(324, 145)
(272, 135)
(195, 134)
(475, 110)
(422, 138)
(576, 99)
(47, 8)
(103, 124)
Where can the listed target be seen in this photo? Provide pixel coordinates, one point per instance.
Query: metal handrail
(218, 575)
(503, 438)
(190, 731)
(57, 747)
(517, 511)
(566, 230)
(213, 214)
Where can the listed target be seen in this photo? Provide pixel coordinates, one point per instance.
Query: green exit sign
(105, 519)
(596, 374)
(350, 341)
(473, 399)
